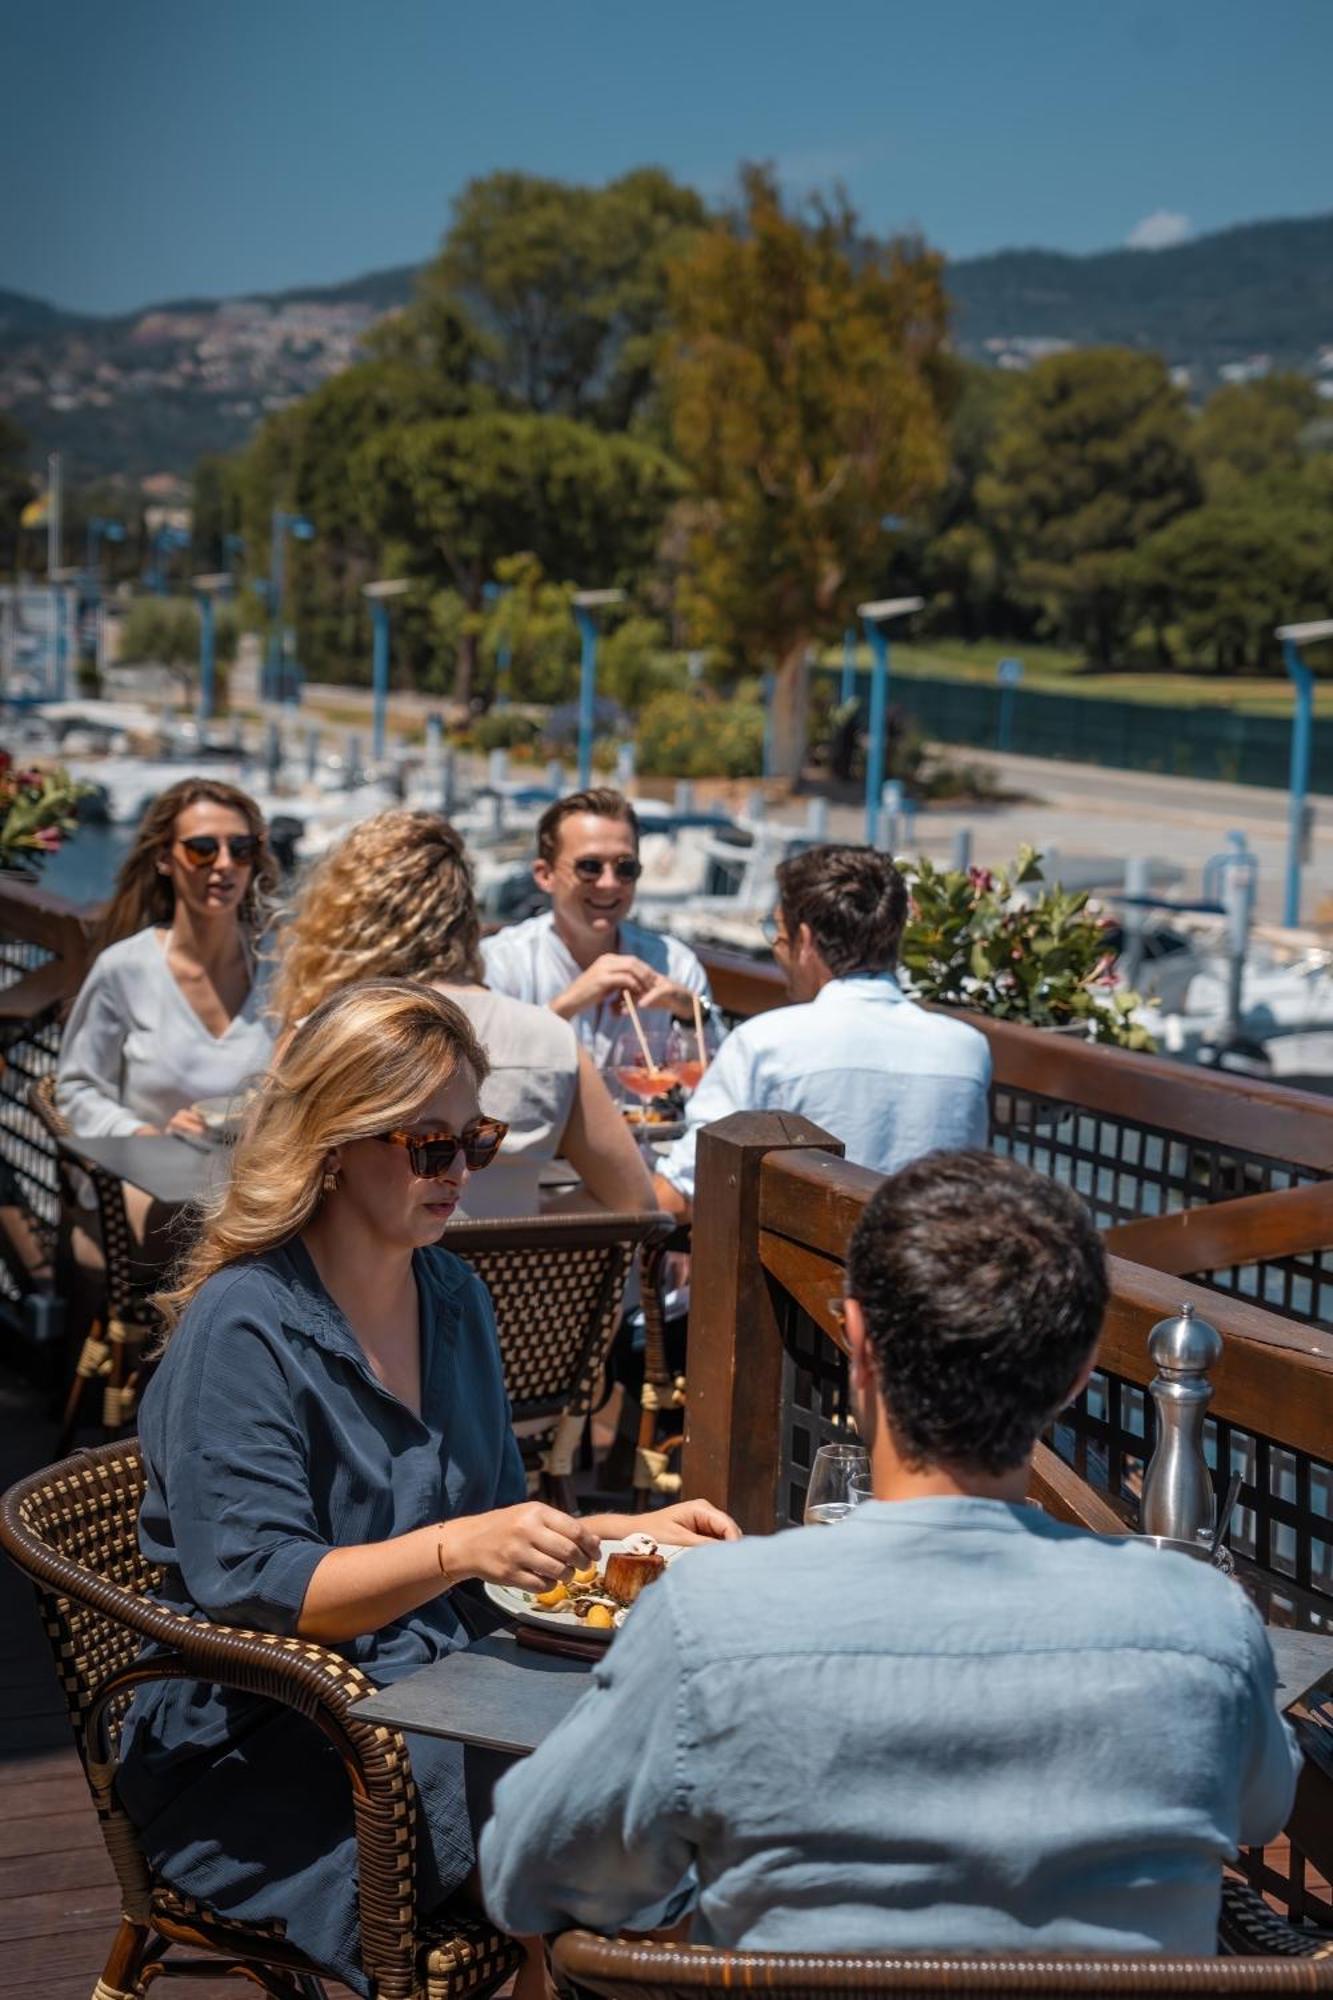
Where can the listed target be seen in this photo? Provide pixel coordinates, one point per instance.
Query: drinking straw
(648, 1062)
(699, 1032)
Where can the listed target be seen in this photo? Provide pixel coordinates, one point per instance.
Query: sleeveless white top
(532, 1085)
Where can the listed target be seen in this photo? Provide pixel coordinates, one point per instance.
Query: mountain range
(148, 392)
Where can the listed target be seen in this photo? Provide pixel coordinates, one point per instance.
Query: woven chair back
(30, 1165)
(75, 1532)
(557, 1285)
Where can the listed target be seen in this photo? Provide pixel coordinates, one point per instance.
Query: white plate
(518, 1605)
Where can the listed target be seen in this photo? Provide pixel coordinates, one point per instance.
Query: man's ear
(861, 1370)
(541, 875)
(1081, 1380)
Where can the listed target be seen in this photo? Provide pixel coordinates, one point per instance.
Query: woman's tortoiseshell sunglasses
(431, 1154)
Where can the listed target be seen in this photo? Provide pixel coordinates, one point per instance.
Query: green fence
(1128, 735)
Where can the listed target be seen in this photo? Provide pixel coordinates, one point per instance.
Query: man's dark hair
(601, 800)
(854, 901)
(983, 1286)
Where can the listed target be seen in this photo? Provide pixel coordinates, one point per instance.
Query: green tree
(1250, 429)
(567, 284)
(806, 378)
(952, 559)
(165, 632)
(1227, 573)
(304, 460)
(460, 494)
(1091, 458)
(217, 510)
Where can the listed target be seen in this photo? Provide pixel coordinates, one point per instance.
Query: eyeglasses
(431, 1154)
(625, 868)
(201, 850)
(774, 935)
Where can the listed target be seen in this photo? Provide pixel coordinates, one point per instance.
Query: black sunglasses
(202, 849)
(431, 1154)
(625, 868)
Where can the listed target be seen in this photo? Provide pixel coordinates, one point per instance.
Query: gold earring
(331, 1179)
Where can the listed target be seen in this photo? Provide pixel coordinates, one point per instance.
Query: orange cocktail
(646, 1083)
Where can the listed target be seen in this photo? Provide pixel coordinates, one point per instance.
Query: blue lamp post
(1302, 732)
(101, 530)
(847, 689)
(380, 596)
(208, 589)
(876, 618)
(504, 652)
(301, 530)
(587, 605)
(166, 542)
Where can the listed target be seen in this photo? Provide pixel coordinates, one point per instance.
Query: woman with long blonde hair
(172, 1011)
(395, 900)
(327, 1453)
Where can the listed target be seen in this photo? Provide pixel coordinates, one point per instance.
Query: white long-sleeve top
(134, 1050)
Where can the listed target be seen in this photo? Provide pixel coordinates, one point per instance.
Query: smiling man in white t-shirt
(579, 957)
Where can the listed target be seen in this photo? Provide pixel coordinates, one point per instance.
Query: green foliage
(1228, 573)
(531, 622)
(1091, 457)
(568, 285)
(806, 377)
(972, 940)
(165, 632)
(38, 811)
(504, 729)
(1250, 429)
(689, 733)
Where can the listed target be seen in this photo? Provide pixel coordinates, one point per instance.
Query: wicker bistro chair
(620, 1969)
(73, 1529)
(112, 1351)
(557, 1284)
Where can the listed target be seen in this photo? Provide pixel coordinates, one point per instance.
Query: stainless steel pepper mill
(1178, 1498)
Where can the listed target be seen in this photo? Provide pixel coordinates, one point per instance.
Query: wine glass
(839, 1477)
(687, 1060)
(635, 1078)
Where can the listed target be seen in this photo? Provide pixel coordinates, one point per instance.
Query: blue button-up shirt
(870, 1066)
(267, 1441)
(945, 1724)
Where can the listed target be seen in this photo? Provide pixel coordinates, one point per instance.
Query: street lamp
(587, 605)
(381, 595)
(504, 653)
(1302, 731)
(208, 589)
(166, 542)
(876, 617)
(101, 530)
(301, 530)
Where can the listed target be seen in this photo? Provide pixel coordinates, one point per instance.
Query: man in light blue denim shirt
(854, 1054)
(953, 1722)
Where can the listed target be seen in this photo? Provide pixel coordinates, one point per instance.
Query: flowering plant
(972, 940)
(37, 811)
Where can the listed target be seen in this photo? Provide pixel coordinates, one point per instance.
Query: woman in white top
(171, 1011)
(394, 900)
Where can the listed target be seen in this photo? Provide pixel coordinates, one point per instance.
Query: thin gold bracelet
(449, 1581)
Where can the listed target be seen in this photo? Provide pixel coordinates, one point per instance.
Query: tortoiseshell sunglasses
(431, 1154)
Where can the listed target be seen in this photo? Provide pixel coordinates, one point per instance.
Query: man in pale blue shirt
(855, 1055)
(582, 956)
(952, 1722)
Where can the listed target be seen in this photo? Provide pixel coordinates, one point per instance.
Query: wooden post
(735, 1371)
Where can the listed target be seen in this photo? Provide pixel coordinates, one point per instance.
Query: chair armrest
(1248, 1928)
(320, 1685)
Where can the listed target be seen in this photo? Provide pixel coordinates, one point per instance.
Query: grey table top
(169, 1169)
(495, 1693)
(501, 1696)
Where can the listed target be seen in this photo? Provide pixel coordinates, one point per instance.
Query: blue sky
(152, 150)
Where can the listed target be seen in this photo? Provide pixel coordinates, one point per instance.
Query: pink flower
(982, 880)
(48, 839)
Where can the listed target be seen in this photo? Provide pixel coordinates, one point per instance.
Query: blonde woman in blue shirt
(328, 1453)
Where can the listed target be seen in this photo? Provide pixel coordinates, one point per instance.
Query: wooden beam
(1288, 1222)
(733, 1419)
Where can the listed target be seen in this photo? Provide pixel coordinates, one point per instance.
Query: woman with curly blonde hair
(327, 1454)
(394, 900)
